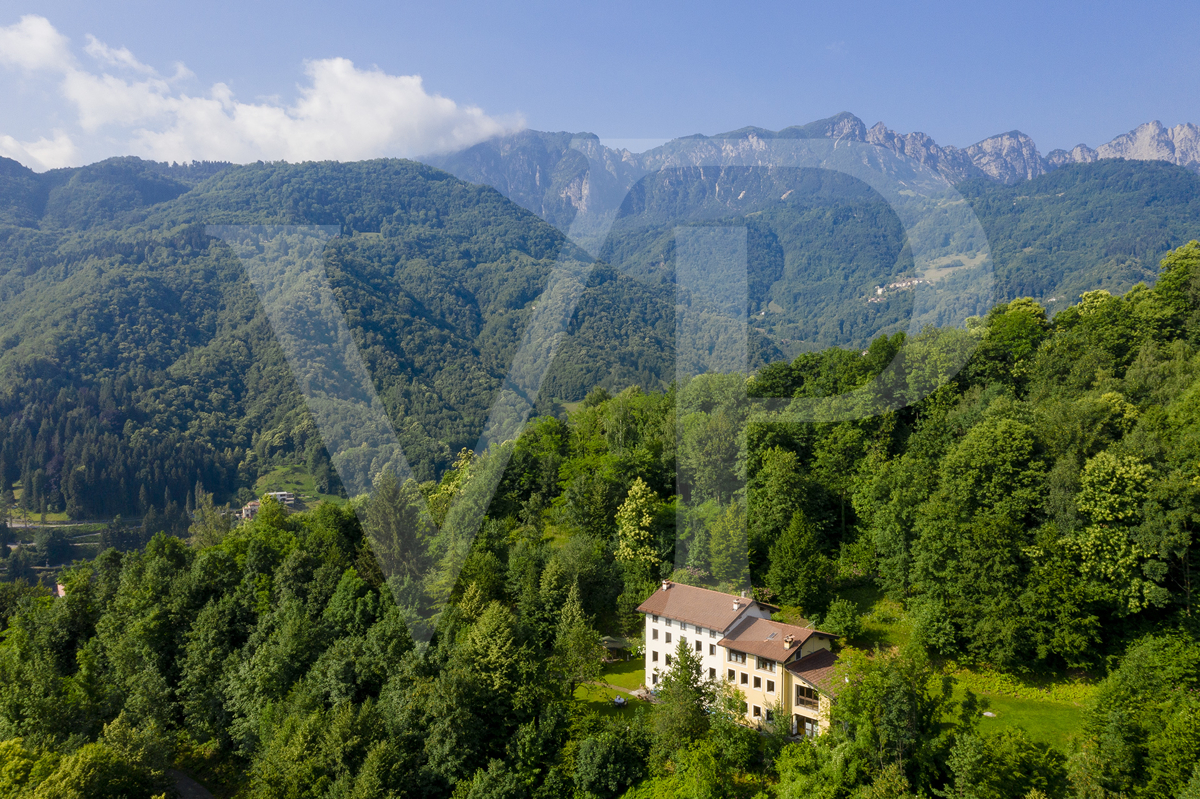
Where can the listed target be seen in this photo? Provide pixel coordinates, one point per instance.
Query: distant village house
(285, 498)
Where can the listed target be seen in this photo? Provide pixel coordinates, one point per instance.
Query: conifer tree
(636, 514)
(728, 551)
(577, 647)
(800, 572)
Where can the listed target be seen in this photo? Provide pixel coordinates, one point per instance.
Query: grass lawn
(884, 621)
(556, 536)
(298, 481)
(600, 699)
(1046, 722)
(1049, 709)
(628, 674)
(34, 514)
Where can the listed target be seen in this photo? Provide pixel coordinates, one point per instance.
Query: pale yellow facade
(765, 683)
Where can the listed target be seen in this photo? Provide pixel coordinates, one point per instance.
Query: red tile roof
(817, 669)
(698, 606)
(767, 638)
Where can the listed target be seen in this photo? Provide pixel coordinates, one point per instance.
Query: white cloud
(117, 57)
(34, 44)
(41, 154)
(342, 112)
(102, 100)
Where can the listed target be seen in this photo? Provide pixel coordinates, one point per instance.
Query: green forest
(137, 365)
(1031, 516)
(138, 362)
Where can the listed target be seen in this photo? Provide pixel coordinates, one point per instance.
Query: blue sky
(1064, 74)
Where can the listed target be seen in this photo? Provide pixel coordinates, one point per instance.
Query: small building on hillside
(250, 509)
(284, 498)
(736, 640)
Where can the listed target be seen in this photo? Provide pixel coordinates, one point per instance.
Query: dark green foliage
(1006, 765)
(842, 619)
(609, 762)
(684, 694)
(138, 361)
(1141, 736)
(1104, 225)
(1035, 511)
(800, 572)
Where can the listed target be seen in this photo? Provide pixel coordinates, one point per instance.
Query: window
(806, 697)
(770, 686)
(654, 678)
(712, 649)
(712, 633)
(766, 665)
(745, 708)
(758, 683)
(699, 629)
(668, 659)
(668, 638)
(655, 618)
(745, 678)
(667, 622)
(699, 647)
(653, 657)
(712, 673)
(736, 657)
(757, 712)
(770, 714)
(654, 634)
(802, 725)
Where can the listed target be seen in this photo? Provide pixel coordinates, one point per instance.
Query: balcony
(809, 702)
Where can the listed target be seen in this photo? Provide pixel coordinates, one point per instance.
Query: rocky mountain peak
(1152, 141)
(549, 174)
(1009, 157)
(843, 126)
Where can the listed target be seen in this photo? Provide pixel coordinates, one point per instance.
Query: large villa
(736, 640)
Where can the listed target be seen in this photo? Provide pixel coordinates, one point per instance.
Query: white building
(701, 617)
(773, 664)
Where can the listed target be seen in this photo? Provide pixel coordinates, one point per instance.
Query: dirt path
(614, 687)
(188, 788)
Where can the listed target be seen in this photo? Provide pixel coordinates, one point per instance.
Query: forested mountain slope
(1053, 233)
(137, 360)
(1036, 513)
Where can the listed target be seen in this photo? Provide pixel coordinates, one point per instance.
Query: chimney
(787, 641)
(743, 593)
(666, 584)
(735, 603)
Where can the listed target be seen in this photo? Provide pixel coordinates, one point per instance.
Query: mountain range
(548, 173)
(136, 358)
